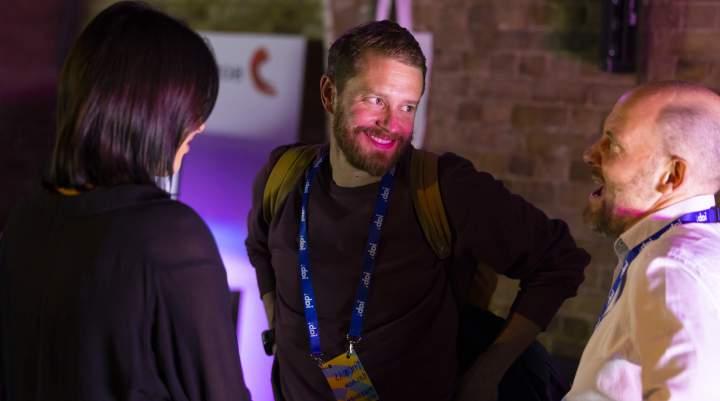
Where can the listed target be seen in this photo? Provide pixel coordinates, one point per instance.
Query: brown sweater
(409, 338)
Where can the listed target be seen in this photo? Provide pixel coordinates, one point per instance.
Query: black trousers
(532, 377)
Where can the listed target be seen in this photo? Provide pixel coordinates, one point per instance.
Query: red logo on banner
(258, 59)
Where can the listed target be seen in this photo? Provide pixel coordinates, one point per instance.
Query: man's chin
(378, 163)
(375, 166)
(599, 222)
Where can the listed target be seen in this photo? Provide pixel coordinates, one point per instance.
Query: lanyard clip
(318, 358)
(352, 341)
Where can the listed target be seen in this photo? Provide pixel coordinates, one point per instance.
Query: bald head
(686, 119)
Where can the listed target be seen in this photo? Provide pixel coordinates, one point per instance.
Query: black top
(410, 328)
(114, 294)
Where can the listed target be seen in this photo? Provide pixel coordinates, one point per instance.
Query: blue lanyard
(308, 293)
(711, 215)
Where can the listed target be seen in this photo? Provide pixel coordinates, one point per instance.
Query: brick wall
(516, 88)
(525, 102)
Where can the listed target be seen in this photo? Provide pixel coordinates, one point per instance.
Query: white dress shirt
(660, 340)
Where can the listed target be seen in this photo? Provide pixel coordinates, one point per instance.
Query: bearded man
(658, 163)
(382, 308)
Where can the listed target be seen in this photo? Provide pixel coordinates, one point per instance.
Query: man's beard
(602, 221)
(374, 163)
(610, 222)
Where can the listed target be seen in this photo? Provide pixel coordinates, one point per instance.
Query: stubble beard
(602, 221)
(606, 220)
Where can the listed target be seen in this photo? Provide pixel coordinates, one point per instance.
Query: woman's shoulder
(167, 217)
(172, 234)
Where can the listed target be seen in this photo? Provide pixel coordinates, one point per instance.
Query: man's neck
(346, 175)
(664, 203)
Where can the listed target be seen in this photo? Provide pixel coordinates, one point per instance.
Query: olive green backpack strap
(428, 201)
(284, 176)
(433, 220)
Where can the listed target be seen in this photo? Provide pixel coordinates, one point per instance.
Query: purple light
(216, 180)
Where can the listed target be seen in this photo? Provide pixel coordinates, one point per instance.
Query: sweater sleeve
(494, 227)
(256, 243)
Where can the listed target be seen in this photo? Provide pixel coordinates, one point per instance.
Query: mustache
(597, 175)
(378, 132)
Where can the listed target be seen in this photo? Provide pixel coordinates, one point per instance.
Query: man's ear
(674, 176)
(328, 94)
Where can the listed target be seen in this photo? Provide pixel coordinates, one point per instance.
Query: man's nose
(391, 121)
(590, 155)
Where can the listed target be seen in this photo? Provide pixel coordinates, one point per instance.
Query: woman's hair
(134, 85)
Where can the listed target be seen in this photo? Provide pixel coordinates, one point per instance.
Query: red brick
(534, 65)
(606, 95)
(701, 43)
(481, 136)
(548, 90)
(521, 166)
(503, 64)
(536, 192)
(470, 111)
(491, 162)
(701, 16)
(503, 89)
(539, 142)
(521, 40)
(539, 15)
(497, 111)
(694, 69)
(564, 66)
(580, 172)
(447, 85)
(587, 122)
(512, 16)
(552, 160)
(447, 58)
(476, 62)
(534, 117)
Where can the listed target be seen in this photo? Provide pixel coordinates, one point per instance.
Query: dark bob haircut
(134, 85)
(385, 38)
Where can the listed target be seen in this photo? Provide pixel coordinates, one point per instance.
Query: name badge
(347, 378)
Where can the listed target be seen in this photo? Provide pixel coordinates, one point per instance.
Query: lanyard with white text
(308, 292)
(711, 215)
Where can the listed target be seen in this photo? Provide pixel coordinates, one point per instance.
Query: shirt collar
(652, 223)
(104, 199)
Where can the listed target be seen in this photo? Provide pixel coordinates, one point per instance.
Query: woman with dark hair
(110, 290)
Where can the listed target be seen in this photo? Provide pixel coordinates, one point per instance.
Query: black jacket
(114, 294)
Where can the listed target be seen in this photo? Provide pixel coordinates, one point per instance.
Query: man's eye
(374, 100)
(409, 108)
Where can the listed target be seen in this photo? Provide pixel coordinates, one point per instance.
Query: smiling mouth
(380, 141)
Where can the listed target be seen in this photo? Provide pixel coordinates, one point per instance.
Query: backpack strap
(284, 176)
(428, 201)
(433, 220)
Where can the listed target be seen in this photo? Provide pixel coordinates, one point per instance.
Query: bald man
(658, 166)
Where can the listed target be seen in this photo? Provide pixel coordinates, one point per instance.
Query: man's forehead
(635, 110)
(382, 69)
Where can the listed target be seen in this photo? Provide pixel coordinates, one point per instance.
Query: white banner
(261, 83)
